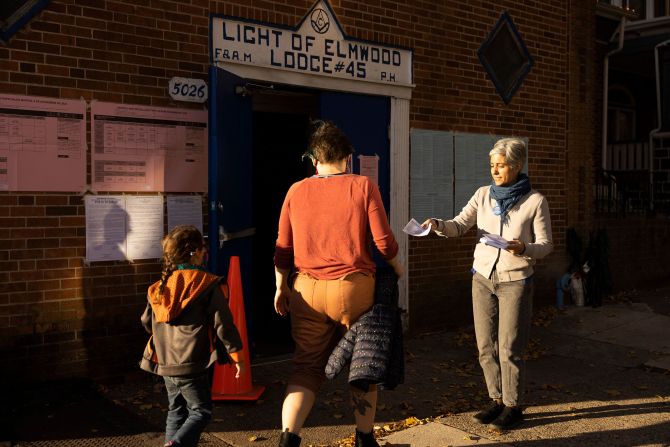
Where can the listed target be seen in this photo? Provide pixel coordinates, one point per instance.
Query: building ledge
(614, 12)
(656, 25)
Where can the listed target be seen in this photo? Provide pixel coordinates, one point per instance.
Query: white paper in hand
(414, 228)
(494, 241)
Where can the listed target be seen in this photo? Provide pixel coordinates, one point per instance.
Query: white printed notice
(143, 148)
(144, 227)
(184, 210)
(369, 167)
(105, 228)
(42, 144)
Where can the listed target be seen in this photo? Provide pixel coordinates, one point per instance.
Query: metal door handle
(225, 236)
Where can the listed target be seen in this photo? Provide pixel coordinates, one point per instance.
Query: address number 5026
(185, 89)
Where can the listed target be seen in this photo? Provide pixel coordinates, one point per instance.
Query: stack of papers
(414, 228)
(494, 241)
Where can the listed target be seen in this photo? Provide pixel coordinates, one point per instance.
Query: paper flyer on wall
(184, 210)
(105, 228)
(42, 144)
(369, 167)
(144, 227)
(144, 148)
(122, 228)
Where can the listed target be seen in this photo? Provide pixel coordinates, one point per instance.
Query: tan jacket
(190, 324)
(528, 220)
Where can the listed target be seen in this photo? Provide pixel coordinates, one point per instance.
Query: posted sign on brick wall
(316, 46)
(42, 144)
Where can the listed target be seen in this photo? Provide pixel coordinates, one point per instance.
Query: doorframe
(398, 138)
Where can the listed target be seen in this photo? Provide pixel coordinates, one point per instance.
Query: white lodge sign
(316, 46)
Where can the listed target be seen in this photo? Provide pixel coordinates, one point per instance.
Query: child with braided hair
(191, 327)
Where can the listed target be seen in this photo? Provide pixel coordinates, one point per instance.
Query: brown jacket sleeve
(228, 338)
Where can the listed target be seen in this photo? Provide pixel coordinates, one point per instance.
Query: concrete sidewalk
(601, 379)
(596, 377)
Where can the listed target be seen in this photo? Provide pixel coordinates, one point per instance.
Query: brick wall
(583, 114)
(638, 248)
(457, 95)
(73, 319)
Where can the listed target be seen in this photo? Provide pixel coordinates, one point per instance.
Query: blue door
(230, 171)
(365, 120)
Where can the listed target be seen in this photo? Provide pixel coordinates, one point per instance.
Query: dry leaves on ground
(384, 430)
(545, 316)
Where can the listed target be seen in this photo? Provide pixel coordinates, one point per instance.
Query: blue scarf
(507, 196)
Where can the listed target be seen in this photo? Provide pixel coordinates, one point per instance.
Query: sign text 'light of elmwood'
(316, 46)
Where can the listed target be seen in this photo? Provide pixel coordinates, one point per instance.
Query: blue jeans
(189, 408)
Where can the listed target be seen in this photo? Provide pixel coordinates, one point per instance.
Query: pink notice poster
(144, 148)
(369, 167)
(42, 144)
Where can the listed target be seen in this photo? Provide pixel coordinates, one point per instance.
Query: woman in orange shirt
(324, 236)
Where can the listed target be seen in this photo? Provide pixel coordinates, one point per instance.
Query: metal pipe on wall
(655, 131)
(606, 64)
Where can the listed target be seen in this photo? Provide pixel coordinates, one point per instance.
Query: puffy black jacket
(373, 343)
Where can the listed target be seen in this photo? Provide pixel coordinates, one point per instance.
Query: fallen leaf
(410, 421)
(252, 438)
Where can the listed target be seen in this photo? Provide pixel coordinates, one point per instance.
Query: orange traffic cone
(225, 386)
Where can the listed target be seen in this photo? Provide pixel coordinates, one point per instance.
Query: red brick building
(61, 316)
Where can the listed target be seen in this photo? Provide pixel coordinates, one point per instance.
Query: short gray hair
(514, 150)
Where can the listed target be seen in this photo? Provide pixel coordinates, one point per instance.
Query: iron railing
(619, 193)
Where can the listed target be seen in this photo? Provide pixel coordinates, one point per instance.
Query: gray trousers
(502, 314)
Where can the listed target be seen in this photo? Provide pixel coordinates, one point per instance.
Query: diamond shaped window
(505, 57)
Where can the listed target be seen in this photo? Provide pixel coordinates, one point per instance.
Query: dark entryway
(281, 122)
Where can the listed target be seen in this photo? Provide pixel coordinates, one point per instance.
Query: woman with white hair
(502, 278)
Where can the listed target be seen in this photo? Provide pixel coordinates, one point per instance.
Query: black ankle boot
(365, 439)
(288, 439)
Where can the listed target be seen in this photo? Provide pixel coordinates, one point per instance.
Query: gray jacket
(190, 324)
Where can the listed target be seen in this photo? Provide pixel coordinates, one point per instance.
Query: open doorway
(281, 123)
(257, 139)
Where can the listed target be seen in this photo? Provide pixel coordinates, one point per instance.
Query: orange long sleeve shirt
(325, 223)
